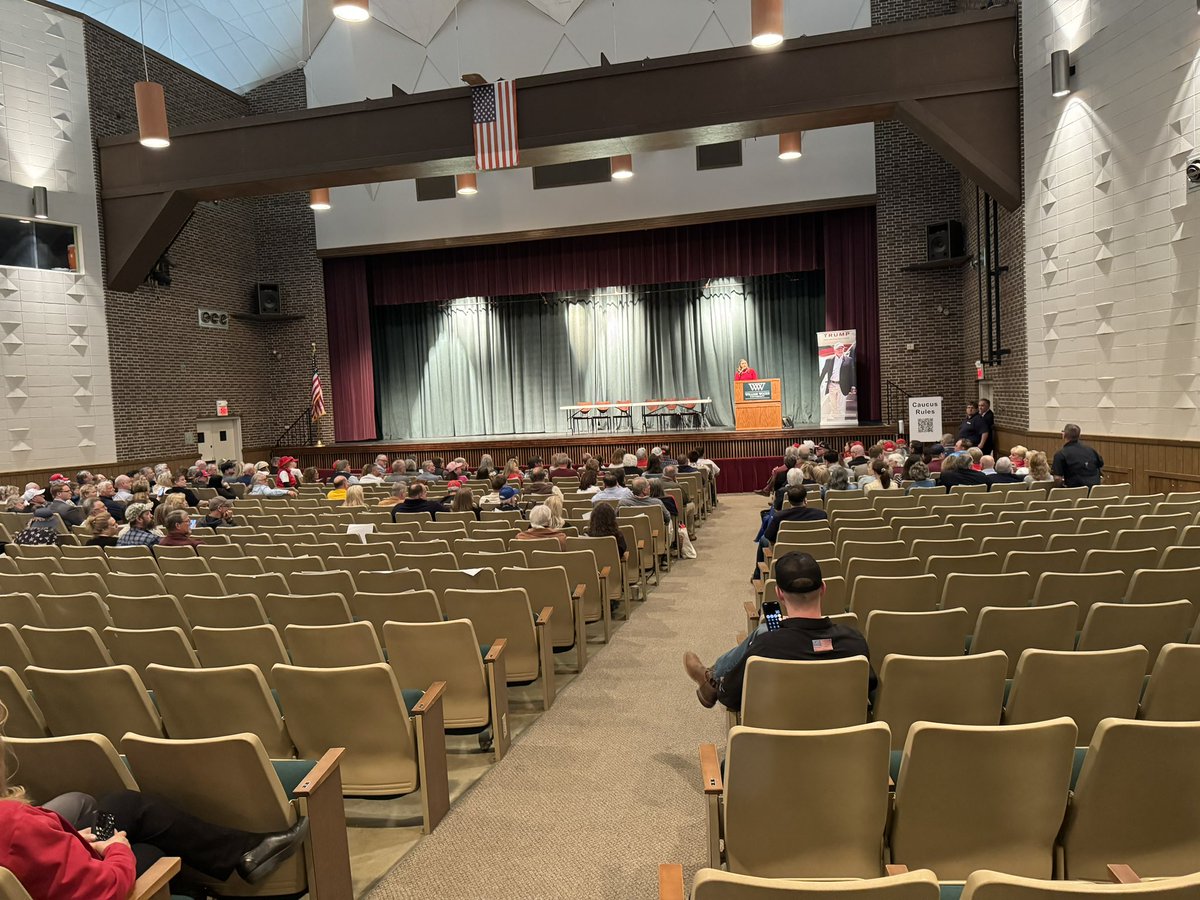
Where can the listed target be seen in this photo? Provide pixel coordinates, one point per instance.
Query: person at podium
(744, 372)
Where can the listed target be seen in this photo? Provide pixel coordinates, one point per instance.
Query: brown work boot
(706, 693)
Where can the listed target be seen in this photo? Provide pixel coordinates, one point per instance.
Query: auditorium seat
(974, 592)
(1086, 686)
(389, 580)
(477, 545)
(914, 593)
(291, 566)
(66, 648)
(44, 565)
(225, 611)
(1149, 539)
(210, 551)
(183, 565)
(928, 534)
(889, 550)
(24, 718)
(799, 695)
(143, 567)
(583, 576)
(1137, 800)
(938, 633)
(35, 584)
(1170, 694)
(109, 700)
(155, 610)
(861, 567)
(641, 549)
(1080, 543)
(139, 647)
(607, 558)
(1180, 557)
(550, 587)
(1083, 589)
(973, 564)
(1037, 562)
(956, 690)
(51, 766)
(972, 797)
(14, 652)
(72, 565)
(765, 819)
(875, 534)
(1153, 625)
(306, 609)
(427, 562)
(255, 645)
(1164, 585)
(507, 614)
(1015, 630)
(20, 609)
(442, 580)
(230, 779)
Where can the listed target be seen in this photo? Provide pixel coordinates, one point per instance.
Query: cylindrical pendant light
(41, 203)
(622, 166)
(152, 115)
(466, 184)
(318, 199)
(766, 23)
(352, 10)
(789, 145)
(1060, 73)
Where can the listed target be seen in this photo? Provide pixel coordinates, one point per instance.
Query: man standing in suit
(837, 383)
(987, 418)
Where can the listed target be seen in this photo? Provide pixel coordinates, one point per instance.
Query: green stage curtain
(481, 366)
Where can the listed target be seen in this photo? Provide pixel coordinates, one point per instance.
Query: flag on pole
(494, 114)
(318, 396)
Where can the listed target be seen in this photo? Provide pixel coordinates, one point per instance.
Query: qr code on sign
(925, 426)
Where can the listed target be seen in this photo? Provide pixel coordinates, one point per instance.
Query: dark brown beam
(953, 79)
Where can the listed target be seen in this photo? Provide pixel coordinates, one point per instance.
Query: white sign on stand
(925, 419)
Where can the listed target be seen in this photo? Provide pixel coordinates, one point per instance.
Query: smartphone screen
(772, 614)
(195, 523)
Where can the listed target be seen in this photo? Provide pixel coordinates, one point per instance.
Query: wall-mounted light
(318, 199)
(352, 10)
(466, 184)
(41, 203)
(622, 166)
(1061, 71)
(790, 145)
(766, 23)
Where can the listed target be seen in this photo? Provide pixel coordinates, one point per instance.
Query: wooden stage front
(742, 455)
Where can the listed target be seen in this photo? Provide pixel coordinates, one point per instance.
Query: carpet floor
(606, 785)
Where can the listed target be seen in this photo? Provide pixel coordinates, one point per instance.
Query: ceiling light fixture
(790, 145)
(466, 185)
(41, 203)
(318, 199)
(622, 166)
(1061, 71)
(352, 10)
(151, 102)
(766, 23)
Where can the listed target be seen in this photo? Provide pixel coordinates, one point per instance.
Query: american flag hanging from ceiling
(494, 114)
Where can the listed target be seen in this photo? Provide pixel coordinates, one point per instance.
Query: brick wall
(157, 349)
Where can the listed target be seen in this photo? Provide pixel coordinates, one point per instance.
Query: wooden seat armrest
(896, 869)
(606, 571)
(751, 609)
(580, 590)
(433, 697)
(1123, 874)
(641, 545)
(768, 552)
(654, 533)
(326, 766)
(153, 883)
(710, 769)
(670, 882)
(764, 568)
(495, 650)
(543, 618)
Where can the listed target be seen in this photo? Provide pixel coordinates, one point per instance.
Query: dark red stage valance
(351, 360)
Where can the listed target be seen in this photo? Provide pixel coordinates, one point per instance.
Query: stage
(745, 457)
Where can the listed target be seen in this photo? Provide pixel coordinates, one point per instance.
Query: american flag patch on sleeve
(823, 645)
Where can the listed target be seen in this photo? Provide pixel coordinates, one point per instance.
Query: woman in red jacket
(53, 860)
(744, 372)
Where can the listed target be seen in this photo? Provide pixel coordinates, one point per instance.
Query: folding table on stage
(677, 414)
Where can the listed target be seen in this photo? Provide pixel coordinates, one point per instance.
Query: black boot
(260, 861)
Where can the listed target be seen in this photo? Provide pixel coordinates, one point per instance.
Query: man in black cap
(804, 634)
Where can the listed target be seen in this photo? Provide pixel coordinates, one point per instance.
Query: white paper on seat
(362, 530)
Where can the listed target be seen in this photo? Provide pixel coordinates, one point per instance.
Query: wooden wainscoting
(1151, 465)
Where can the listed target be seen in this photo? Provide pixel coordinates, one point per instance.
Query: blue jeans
(728, 661)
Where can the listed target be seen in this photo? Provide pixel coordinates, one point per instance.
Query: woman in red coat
(744, 372)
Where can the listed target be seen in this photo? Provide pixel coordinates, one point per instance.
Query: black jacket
(797, 639)
(963, 476)
(217, 483)
(410, 505)
(792, 514)
(192, 500)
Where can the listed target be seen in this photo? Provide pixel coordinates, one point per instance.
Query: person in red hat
(288, 475)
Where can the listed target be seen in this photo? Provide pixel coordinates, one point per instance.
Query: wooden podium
(757, 405)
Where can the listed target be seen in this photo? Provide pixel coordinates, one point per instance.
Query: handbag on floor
(687, 550)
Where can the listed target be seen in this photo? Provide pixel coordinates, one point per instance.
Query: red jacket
(53, 862)
(748, 375)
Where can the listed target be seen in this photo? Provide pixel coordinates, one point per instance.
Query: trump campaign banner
(836, 377)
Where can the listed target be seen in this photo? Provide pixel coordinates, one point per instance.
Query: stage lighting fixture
(41, 203)
(466, 185)
(352, 10)
(789, 145)
(766, 23)
(1061, 71)
(318, 199)
(622, 166)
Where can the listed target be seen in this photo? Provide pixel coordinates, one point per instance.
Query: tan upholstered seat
(331, 646)
(714, 884)
(551, 588)
(915, 593)
(800, 695)
(205, 703)
(147, 611)
(987, 885)
(1137, 799)
(1014, 630)
(941, 632)
(1164, 585)
(66, 648)
(957, 690)
(1086, 686)
(1082, 589)
(302, 609)
(228, 611)
(406, 606)
(257, 645)
(51, 766)
(24, 718)
(1171, 694)
(442, 580)
(972, 797)
(21, 609)
(974, 592)
(583, 575)
(1153, 625)
(109, 701)
(138, 647)
(390, 581)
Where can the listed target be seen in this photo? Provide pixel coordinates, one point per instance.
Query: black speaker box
(268, 299)
(944, 240)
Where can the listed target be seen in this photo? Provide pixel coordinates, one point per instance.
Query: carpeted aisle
(604, 787)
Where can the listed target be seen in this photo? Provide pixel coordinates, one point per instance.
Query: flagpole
(314, 423)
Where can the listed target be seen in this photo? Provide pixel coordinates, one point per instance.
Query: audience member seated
(396, 475)
(140, 518)
(220, 514)
(219, 481)
(562, 467)
(541, 526)
(857, 457)
(464, 501)
(428, 472)
(798, 511)
(492, 499)
(587, 482)
(976, 456)
(1017, 456)
(338, 490)
(804, 634)
(61, 505)
(839, 480)
(1076, 464)
(639, 495)
(540, 484)
(103, 528)
(39, 531)
(1004, 472)
(54, 854)
(115, 507)
(371, 474)
(355, 496)
(658, 493)
(512, 471)
(884, 477)
(1039, 469)
(629, 465)
(418, 501)
(603, 523)
(122, 484)
(261, 488)
(288, 475)
(612, 490)
(179, 485)
(178, 526)
(956, 469)
(918, 472)
(510, 498)
(934, 457)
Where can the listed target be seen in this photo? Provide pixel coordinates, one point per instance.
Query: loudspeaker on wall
(268, 299)
(944, 240)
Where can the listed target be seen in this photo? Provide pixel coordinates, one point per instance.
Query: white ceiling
(243, 43)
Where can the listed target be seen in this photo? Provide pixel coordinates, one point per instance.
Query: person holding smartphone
(802, 633)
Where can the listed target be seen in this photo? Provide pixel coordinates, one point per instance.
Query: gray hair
(630, 460)
(541, 517)
(795, 477)
(839, 478)
(1004, 465)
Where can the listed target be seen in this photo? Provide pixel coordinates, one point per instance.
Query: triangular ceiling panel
(566, 56)
(416, 19)
(559, 10)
